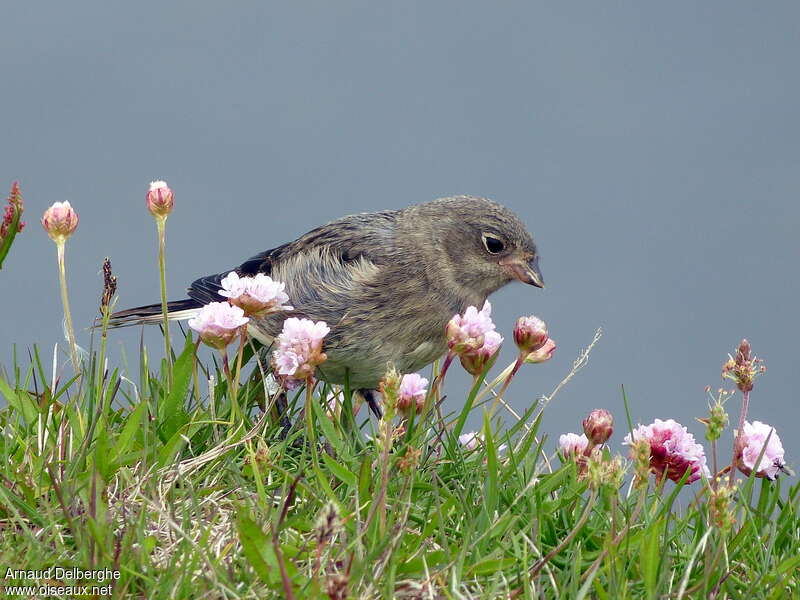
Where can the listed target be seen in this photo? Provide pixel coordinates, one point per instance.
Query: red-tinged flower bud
(598, 426)
(542, 354)
(530, 334)
(59, 221)
(160, 199)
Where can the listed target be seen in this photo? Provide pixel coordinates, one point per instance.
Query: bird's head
(482, 245)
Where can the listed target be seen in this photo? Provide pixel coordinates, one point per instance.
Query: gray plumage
(386, 282)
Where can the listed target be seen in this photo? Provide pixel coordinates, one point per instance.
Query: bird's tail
(151, 314)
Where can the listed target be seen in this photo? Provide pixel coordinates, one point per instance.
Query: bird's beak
(526, 271)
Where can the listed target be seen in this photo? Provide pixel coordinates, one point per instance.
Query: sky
(652, 150)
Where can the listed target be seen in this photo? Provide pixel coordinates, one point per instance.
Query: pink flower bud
(598, 426)
(257, 296)
(542, 354)
(218, 323)
(530, 334)
(749, 446)
(159, 199)
(59, 221)
(474, 361)
(13, 209)
(411, 396)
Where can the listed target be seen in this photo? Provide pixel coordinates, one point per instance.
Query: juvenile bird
(385, 282)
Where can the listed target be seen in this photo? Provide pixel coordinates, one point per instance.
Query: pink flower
(412, 392)
(542, 354)
(472, 440)
(60, 221)
(571, 444)
(218, 323)
(466, 332)
(673, 450)
(530, 334)
(299, 348)
(257, 295)
(598, 426)
(749, 446)
(475, 361)
(159, 199)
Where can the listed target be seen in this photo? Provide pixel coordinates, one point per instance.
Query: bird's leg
(372, 401)
(282, 407)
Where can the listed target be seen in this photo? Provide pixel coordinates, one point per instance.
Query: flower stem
(62, 276)
(739, 432)
(161, 223)
(229, 377)
(506, 383)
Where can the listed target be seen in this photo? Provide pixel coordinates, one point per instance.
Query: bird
(385, 282)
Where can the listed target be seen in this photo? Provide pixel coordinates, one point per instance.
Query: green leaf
(171, 412)
(651, 556)
(258, 550)
(21, 402)
(346, 476)
(132, 425)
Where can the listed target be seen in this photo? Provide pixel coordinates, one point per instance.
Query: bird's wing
(347, 242)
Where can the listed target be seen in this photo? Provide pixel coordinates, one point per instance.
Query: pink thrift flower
(530, 334)
(542, 354)
(299, 348)
(598, 426)
(218, 323)
(571, 444)
(159, 199)
(673, 450)
(256, 295)
(474, 361)
(412, 392)
(466, 332)
(60, 221)
(469, 440)
(750, 445)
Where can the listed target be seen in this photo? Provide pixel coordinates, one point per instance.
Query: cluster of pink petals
(473, 338)
(673, 450)
(750, 444)
(256, 295)
(159, 199)
(467, 332)
(571, 444)
(542, 354)
(472, 440)
(299, 348)
(60, 221)
(412, 392)
(218, 323)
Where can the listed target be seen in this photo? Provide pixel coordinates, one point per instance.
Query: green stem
(161, 224)
(506, 383)
(62, 276)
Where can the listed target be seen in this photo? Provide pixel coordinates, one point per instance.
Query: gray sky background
(653, 150)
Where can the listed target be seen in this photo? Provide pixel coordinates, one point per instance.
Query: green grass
(188, 497)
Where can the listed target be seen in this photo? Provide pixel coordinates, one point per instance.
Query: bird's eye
(493, 245)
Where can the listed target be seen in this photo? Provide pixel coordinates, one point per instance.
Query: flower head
(12, 211)
(542, 354)
(160, 199)
(751, 442)
(530, 334)
(673, 450)
(469, 440)
(59, 221)
(218, 323)
(475, 361)
(466, 332)
(299, 348)
(571, 444)
(412, 392)
(256, 296)
(598, 426)
(744, 368)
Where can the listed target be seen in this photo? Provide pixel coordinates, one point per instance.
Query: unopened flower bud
(530, 334)
(542, 354)
(598, 426)
(717, 421)
(160, 199)
(475, 361)
(59, 221)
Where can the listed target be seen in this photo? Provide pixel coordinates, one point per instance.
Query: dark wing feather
(368, 236)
